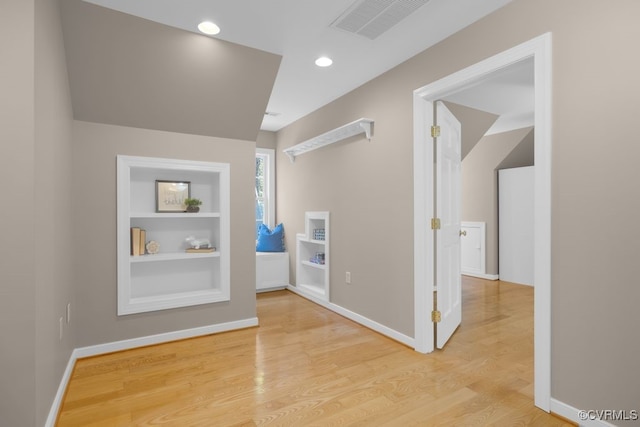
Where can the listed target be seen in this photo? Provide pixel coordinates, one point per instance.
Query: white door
(448, 199)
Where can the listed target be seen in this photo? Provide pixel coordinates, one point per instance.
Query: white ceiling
(300, 31)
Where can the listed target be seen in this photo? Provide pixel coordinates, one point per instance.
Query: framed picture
(170, 195)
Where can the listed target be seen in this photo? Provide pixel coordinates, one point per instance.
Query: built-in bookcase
(172, 277)
(312, 256)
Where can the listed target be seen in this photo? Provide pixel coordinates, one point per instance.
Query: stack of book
(138, 239)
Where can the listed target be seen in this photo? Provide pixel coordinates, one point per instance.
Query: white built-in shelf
(312, 279)
(172, 277)
(174, 215)
(315, 265)
(172, 256)
(304, 239)
(343, 132)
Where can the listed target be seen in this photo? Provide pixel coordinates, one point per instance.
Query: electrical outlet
(68, 313)
(60, 322)
(347, 277)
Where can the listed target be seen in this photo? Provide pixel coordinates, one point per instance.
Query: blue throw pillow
(270, 240)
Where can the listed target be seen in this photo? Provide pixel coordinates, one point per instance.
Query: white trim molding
(95, 350)
(576, 415)
(539, 49)
(62, 388)
(129, 344)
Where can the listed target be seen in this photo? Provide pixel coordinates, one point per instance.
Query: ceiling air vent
(371, 18)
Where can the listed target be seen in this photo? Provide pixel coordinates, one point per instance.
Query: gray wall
(54, 246)
(35, 256)
(367, 186)
(480, 185)
(17, 257)
(95, 147)
(475, 124)
(267, 139)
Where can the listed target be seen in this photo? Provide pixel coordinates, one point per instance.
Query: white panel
(516, 233)
(272, 270)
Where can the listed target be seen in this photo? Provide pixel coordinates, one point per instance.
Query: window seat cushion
(270, 240)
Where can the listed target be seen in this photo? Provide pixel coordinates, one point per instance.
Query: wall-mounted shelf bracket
(335, 135)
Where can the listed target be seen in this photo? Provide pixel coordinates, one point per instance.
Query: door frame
(539, 49)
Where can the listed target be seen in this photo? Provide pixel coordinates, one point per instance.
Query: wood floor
(306, 366)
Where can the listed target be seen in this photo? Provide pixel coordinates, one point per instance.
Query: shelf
(170, 297)
(169, 300)
(314, 265)
(343, 132)
(172, 256)
(174, 215)
(315, 242)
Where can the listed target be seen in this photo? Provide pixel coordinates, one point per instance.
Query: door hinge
(435, 223)
(436, 316)
(435, 131)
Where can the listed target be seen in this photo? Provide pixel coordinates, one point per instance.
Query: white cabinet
(312, 256)
(272, 271)
(172, 277)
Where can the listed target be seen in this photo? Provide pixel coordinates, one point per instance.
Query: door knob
(463, 232)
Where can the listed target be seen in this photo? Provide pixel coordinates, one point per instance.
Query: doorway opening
(539, 49)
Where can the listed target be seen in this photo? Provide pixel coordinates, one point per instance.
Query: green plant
(189, 201)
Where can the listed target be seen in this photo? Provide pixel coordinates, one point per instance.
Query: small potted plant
(192, 204)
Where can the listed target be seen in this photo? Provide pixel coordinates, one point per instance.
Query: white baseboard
(96, 350)
(481, 275)
(573, 414)
(57, 401)
(364, 321)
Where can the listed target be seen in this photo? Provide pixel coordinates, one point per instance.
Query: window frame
(268, 155)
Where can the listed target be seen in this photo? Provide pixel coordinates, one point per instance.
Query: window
(265, 187)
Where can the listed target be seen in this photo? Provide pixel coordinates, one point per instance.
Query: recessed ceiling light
(324, 61)
(209, 28)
